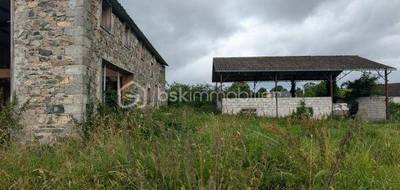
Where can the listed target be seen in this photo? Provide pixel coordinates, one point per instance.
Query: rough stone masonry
(59, 52)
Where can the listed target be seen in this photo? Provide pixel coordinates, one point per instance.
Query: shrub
(363, 87)
(394, 111)
(9, 122)
(303, 112)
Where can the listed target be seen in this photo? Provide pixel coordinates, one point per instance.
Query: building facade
(68, 54)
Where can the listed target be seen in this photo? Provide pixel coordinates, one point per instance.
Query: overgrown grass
(9, 122)
(184, 148)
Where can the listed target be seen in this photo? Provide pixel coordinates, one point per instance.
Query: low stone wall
(322, 106)
(372, 108)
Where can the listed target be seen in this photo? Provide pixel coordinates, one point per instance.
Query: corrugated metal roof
(230, 69)
(296, 63)
(120, 12)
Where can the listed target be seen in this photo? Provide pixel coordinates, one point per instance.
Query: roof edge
(120, 11)
(311, 56)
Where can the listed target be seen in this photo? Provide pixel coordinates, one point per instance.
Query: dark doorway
(5, 55)
(114, 79)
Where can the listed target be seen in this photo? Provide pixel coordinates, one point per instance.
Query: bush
(365, 86)
(9, 122)
(303, 112)
(394, 110)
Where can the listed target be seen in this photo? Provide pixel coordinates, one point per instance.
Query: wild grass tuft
(184, 148)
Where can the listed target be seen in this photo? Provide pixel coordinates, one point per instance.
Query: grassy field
(183, 148)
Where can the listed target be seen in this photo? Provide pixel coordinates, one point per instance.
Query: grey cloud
(187, 32)
(176, 26)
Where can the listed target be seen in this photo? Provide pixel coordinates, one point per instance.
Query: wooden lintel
(5, 74)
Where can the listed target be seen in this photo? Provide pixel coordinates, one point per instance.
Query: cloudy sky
(189, 33)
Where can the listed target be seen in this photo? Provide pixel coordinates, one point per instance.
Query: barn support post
(254, 89)
(331, 91)
(387, 95)
(104, 82)
(293, 88)
(221, 83)
(276, 96)
(220, 91)
(119, 89)
(12, 78)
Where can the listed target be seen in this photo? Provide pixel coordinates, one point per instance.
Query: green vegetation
(185, 148)
(394, 111)
(9, 122)
(279, 89)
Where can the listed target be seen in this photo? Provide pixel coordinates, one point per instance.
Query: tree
(299, 92)
(364, 87)
(239, 90)
(262, 92)
(315, 90)
(321, 90)
(279, 89)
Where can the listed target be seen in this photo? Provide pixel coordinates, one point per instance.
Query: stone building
(57, 57)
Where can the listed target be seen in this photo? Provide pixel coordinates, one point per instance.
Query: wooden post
(220, 96)
(293, 88)
(254, 89)
(104, 82)
(387, 94)
(331, 90)
(276, 96)
(119, 100)
(221, 82)
(12, 79)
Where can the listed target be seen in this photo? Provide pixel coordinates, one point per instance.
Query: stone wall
(322, 107)
(372, 108)
(59, 48)
(43, 40)
(109, 46)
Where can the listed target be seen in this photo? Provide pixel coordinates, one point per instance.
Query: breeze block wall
(322, 107)
(395, 100)
(372, 108)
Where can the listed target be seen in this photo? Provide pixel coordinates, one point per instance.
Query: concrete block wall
(322, 106)
(372, 108)
(396, 100)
